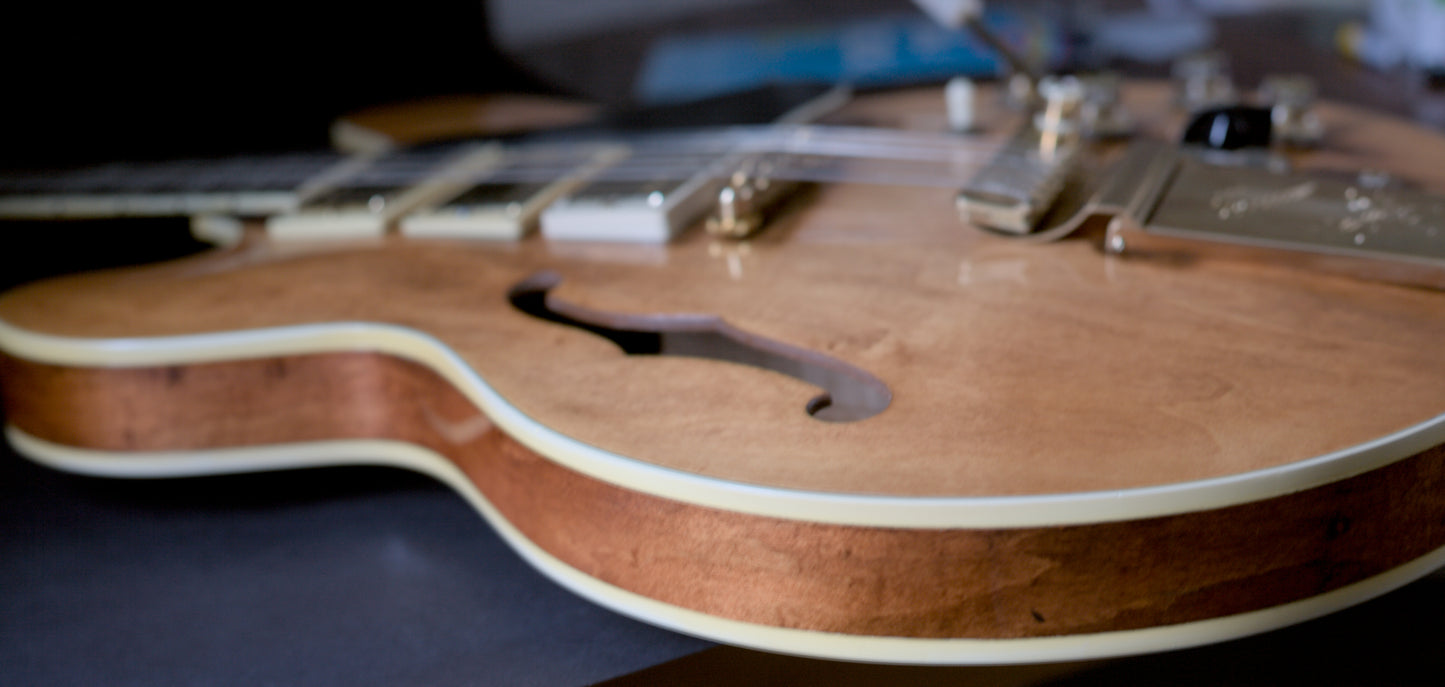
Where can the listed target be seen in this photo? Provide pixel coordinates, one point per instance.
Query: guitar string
(797, 153)
(804, 153)
(528, 165)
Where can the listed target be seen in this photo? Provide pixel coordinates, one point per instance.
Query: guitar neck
(242, 186)
(491, 189)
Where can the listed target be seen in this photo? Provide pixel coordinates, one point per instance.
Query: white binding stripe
(763, 637)
(846, 509)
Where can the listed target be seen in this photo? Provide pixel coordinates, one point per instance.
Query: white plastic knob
(959, 98)
(951, 13)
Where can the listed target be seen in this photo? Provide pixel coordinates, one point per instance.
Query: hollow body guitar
(1023, 451)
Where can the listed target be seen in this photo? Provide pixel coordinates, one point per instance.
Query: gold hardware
(743, 202)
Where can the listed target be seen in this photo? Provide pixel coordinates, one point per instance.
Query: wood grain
(971, 583)
(1014, 369)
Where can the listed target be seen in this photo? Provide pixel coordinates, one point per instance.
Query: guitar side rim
(809, 643)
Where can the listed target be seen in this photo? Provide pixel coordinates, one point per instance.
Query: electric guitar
(870, 431)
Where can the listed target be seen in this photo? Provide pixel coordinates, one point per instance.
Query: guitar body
(1073, 454)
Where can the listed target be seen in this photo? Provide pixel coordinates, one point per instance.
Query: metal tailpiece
(1174, 205)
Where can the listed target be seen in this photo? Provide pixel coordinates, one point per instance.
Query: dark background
(95, 81)
(100, 81)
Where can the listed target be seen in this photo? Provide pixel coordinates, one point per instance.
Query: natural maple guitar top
(1015, 368)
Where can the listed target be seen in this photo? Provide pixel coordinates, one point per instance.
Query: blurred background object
(1399, 33)
(629, 51)
(733, 45)
(98, 82)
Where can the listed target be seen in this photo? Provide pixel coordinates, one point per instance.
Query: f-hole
(848, 393)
